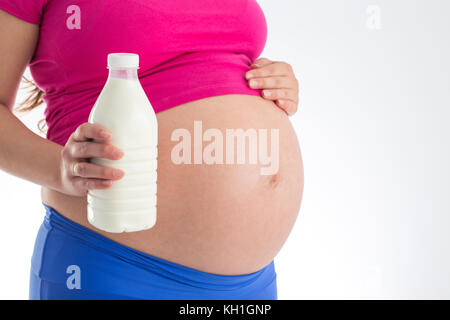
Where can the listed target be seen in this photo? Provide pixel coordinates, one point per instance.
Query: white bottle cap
(123, 60)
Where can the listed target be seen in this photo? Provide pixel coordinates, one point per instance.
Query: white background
(373, 127)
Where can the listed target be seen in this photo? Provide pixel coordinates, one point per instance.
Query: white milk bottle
(123, 108)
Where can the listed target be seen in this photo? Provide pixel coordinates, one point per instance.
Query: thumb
(261, 62)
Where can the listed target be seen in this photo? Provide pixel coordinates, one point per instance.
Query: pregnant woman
(219, 226)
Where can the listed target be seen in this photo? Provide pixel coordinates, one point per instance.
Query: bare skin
(223, 219)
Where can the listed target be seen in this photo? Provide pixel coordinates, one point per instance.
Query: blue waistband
(156, 267)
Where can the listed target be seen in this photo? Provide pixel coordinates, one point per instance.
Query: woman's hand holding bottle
(77, 175)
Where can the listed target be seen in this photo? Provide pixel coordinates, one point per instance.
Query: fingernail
(117, 153)
(106, 182)
(104, 134)
(281, 102)
(117, 173)
(253, 83)
(249, 75)
(267, 93)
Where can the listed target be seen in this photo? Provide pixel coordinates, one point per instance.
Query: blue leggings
(73, 262)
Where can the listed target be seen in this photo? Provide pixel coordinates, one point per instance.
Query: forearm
(25, 154)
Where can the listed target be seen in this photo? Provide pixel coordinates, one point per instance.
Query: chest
(87, 30)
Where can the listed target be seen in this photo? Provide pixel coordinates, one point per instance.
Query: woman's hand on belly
(278, 81)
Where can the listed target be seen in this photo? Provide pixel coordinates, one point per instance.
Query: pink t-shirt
(188, 50)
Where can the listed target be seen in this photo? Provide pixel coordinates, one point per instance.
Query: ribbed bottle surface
(130, 203)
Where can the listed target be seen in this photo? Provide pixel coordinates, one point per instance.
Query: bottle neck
(128, 74)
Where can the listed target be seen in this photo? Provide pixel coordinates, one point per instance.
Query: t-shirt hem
(201, 93)
(173, 101)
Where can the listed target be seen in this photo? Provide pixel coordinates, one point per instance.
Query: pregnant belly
(229, 218)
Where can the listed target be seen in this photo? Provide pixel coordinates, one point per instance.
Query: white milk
(123, 108)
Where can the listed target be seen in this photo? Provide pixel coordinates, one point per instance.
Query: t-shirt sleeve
(27, 10)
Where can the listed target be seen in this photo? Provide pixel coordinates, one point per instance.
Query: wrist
(56, 173)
